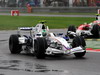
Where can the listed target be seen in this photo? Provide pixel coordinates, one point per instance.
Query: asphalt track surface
(23, 64)
(49, 15)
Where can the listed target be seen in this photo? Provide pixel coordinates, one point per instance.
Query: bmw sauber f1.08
(41, 42)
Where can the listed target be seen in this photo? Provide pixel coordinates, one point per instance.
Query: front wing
(53, 51)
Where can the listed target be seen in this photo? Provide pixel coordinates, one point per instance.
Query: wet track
(23, 64)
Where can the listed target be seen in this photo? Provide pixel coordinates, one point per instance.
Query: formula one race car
(41, 42)
(91, 30)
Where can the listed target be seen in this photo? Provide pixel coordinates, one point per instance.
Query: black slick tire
(40, 46)
(14, 46)
(71, 28)
(96, 31)
(79, 41)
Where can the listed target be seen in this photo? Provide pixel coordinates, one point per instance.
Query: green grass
(13, 22)
(93, 44)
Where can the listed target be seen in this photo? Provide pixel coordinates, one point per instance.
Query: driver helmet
(44, 33)
(85, 23)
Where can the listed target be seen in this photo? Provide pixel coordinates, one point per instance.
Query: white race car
(41, 42)
(91, 30)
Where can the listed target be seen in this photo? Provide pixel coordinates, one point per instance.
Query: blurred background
(58, 6)
(50, 3)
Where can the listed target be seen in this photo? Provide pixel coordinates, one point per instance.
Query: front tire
(14, 46)
(40, 46)
(71, 28)
(79, 41)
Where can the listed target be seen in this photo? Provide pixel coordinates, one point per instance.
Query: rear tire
(79, 41)
(96, 31)
(40, 46)
(14, 46)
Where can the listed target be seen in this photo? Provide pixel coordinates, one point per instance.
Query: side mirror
(47, 28)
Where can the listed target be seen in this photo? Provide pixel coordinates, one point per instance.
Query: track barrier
(14, 12)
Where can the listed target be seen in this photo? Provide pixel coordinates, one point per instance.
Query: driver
(44, 33)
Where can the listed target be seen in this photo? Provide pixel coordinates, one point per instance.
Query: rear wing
(26, 28)
(30, 29)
